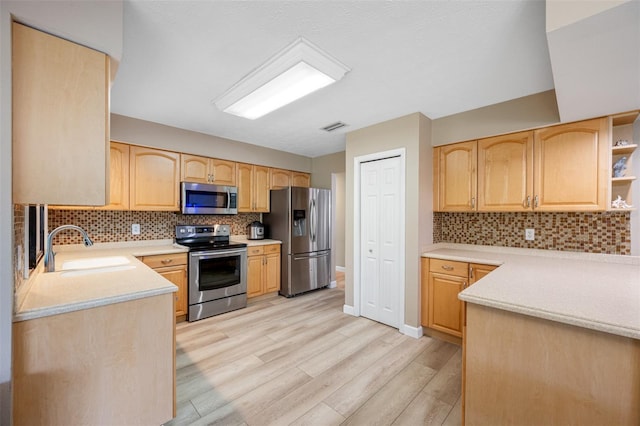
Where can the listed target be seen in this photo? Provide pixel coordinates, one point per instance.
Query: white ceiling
(434, 57)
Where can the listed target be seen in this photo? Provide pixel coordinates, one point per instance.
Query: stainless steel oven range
(217, 270)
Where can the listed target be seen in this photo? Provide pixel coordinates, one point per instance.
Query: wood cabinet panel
(195, 168)
(172, 266)
(119, 181)
(223, 172)
(263, 274)
(571, 167)
(60, 120)
(445, 310)
(280, 178)
(155, 179)
(456, 165)
(505, 172)
(67, 367)
(300, 179)
(449, 267)
(478, 271)
(253, 188)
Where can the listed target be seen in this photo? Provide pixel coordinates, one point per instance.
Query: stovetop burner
(206, 237)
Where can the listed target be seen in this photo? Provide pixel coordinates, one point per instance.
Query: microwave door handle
(228, 199)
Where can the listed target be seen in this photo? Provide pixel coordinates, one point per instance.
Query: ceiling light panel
(299, 69)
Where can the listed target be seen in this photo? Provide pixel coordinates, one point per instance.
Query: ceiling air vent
(334, 126)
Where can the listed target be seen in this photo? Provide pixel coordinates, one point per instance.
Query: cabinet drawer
(164, 260)
(255, 250)
(272, 248)
(459, 269)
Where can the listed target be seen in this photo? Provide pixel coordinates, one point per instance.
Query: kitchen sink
(95, 265)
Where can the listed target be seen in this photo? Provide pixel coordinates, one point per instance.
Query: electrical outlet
(135, 229)
(529, 234)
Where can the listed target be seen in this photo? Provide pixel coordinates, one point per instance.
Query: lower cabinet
(174, 268)
(263, 265)
(442, 280)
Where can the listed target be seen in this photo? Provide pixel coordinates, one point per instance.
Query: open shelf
(620, 150)
(623, 179)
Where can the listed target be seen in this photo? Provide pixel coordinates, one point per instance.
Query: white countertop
(243, 239)
(599, 292)
(59, 292)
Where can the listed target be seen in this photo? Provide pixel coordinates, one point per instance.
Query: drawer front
(272, 248)
(255, 250)
(164, 260)
(459, 269)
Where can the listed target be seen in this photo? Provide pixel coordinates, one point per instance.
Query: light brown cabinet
(280, 178)
(60, 120)
(174, 268)
(253, 188)
(207, 170)
(118, 177)
(622, 126)
(559, 168)
(505, 172)
(300, 179)
(455, 177)
(263, 265)
(571, 168)
(442, 280)
(155, 179)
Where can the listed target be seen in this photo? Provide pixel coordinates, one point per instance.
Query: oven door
(216, 274)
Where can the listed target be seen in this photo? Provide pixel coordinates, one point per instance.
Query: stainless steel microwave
(204, 198)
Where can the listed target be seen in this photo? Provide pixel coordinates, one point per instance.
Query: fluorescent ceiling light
(299, 69)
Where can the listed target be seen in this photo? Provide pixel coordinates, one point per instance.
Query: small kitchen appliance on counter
(217, 270)
(255, 231)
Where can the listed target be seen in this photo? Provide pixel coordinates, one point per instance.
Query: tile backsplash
(597, 232)
(106, 226)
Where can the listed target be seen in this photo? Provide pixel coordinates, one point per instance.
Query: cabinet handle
(166, 261)
(535, 202)
(447, 267)
(473, 202)
(464, 285)
(471, 272)
(528, 201)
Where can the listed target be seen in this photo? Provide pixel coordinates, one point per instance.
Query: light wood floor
(301, 361)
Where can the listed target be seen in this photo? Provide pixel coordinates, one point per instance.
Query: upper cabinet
(60, 123)
(155, 179)
(300, 179)
(559, 168)
(505, 172)
(623, 147)
(253, 188)
(455, 172)
(118, 177)
(280, 178)
(207, 170)
(572, 167)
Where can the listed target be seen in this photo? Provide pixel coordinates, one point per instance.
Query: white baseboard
(341, 269)
(333, 284)
(349, 310)
(415, 332)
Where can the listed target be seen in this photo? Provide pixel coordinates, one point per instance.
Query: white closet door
(380, 237)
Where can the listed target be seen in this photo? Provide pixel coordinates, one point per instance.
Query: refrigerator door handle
(311, 255)
(312, 220)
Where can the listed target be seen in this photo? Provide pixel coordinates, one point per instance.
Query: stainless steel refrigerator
(301, 219)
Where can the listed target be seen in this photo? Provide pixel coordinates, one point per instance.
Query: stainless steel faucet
(49, 255)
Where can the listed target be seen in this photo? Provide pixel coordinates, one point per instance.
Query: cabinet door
(178, 276)
(445, 310)
(118, 177)
(223, 172)
(254, 275)
(300, 179)
(505, 173)
(261, 189)
(280, 178)
(457, 176)
(478, 271)
(194, 168)
(60, 120)
(424, 291)
(571, 167)
(245, 187)
(155, 179)
(272, 268)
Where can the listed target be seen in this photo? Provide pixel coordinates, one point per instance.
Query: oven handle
(217, 253)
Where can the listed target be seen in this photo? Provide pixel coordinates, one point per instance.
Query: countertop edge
(553, 316)
(88, 304)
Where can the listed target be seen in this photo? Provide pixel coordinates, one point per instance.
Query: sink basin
(95, 262)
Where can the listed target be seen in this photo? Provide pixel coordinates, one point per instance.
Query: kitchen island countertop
(599, 292)
(58, 292)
